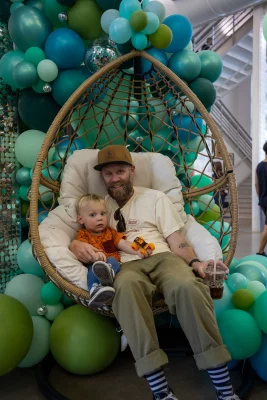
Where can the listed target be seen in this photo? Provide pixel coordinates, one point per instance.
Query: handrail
(232, 129)
(221, 30)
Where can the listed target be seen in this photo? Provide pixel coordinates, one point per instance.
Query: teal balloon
(66, 301)
(5, 10)
(211, 65)
(60, 156)
(23, 176)
(29, 27)
(46, 195)
(233, 264)
(204, 90)
(15, 6)
(260, 314)
(7, 65)
(25, 74)
(152, 23)
(37, 111)
(200, 181)
(225, 303)
(255, 257)
(53, 311)
(120, 30)
(26, 261)
(192, 208)
(259, 360)
(50, 173)
(186, 64)
(128, 7)
(159, 55)
(34, 55)
(160, 141)
(66, 84)
(40, 344)
(139, 41)
(256, 289)
(50, 294)
(83, 342)
(27, 147)
(23, 192)
(15, 334)
(36, 3)
(252, 273)
(237, 281)
(27, 289)
(240, 333)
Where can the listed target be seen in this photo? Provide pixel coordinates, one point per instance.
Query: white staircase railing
(220, 31)
(233, 130)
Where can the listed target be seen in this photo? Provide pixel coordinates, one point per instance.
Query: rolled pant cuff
(151, 362)
(212, 358)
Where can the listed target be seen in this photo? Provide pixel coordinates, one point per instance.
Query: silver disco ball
(99, 53)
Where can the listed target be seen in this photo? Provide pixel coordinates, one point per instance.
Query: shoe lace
(232, 397)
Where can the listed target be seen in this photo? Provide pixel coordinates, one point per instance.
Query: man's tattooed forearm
(183, 245)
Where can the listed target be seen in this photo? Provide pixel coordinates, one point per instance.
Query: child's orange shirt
(107, 241)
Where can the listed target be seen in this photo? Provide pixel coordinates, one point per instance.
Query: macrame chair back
(154, 112)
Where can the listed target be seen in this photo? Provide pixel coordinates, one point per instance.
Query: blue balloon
(188, 129)
(182, 32)
(65, 47)
(64, 141)
(159, 55)
(259, 360)
(139, 41)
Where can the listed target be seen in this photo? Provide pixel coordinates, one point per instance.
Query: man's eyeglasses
(121, 225)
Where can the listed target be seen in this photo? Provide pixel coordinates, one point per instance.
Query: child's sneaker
(231, 397)
(103, 272)
(101, 295)
(165, 395)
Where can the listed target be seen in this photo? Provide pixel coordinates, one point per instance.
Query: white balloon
(157, 8)
(107, 17)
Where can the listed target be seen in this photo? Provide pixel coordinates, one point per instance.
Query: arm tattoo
(183, 245)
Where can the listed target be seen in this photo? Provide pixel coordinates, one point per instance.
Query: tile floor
(120, 381)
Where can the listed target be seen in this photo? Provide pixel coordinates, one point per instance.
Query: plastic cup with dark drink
(214, 279)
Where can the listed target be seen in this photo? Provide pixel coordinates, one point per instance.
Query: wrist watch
(193, 261)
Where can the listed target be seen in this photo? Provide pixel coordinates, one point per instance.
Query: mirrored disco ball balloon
(98, 54)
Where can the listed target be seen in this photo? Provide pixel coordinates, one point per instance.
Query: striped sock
(157, 381)
(221, 380)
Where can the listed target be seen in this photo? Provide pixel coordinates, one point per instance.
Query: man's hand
(199, 267)
(86, 253)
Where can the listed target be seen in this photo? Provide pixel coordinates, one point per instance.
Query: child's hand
(101, 256)
(142, 253)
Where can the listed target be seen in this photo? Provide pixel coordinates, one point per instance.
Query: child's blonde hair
(84, 200)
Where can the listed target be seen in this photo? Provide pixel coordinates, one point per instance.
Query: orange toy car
(140, 242)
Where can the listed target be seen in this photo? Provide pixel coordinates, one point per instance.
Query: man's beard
(123, 194)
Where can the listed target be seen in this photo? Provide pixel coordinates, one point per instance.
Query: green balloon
(35, 55)
(24, 206)
(39, 86)
(15, 5)
(23, 192)
(23, 176)
(200, 181)
(5, 10)
(37, 111)
(26, 261)
(186, 64)
(40, 345)
(108, 4)
(51, 9)
(192, 208)
(211, 214)
(50, 294)
(206, 202)
(27, 147)
(35, 3)
(53, 311)
(160, 141)
(25, 74)
(15, 334)
(211, 65)
(83, 342)
(240, 333)
(84, 18)
(26, 288)
(260, 314)
(138, 20)
(243, 299)
(29, 27)
(66, 301)
(204, 90)
(161, 38)
(256, 289)
(7, 65)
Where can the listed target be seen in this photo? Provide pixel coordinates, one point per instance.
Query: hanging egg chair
(159, 118)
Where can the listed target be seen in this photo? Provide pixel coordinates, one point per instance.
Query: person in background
(261, 189)
(223, 191)
(208, 44)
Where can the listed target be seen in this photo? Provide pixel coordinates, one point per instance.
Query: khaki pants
(185, 295)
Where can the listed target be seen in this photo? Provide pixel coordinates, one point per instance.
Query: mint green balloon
(7, 64)
(27, 289)
(53, 310)
(225, 303)
(256, 288)
(40, 344)
(27, 147)
(15, 334)
(205, 202)
(237, 281)
(47, 70)
(50, 294)
(260, 313)
(26, 261)
(34, 55)
(240, 333)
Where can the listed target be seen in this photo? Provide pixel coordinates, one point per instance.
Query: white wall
(238, 101)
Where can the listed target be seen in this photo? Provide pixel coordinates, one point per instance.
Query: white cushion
(153, 171)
